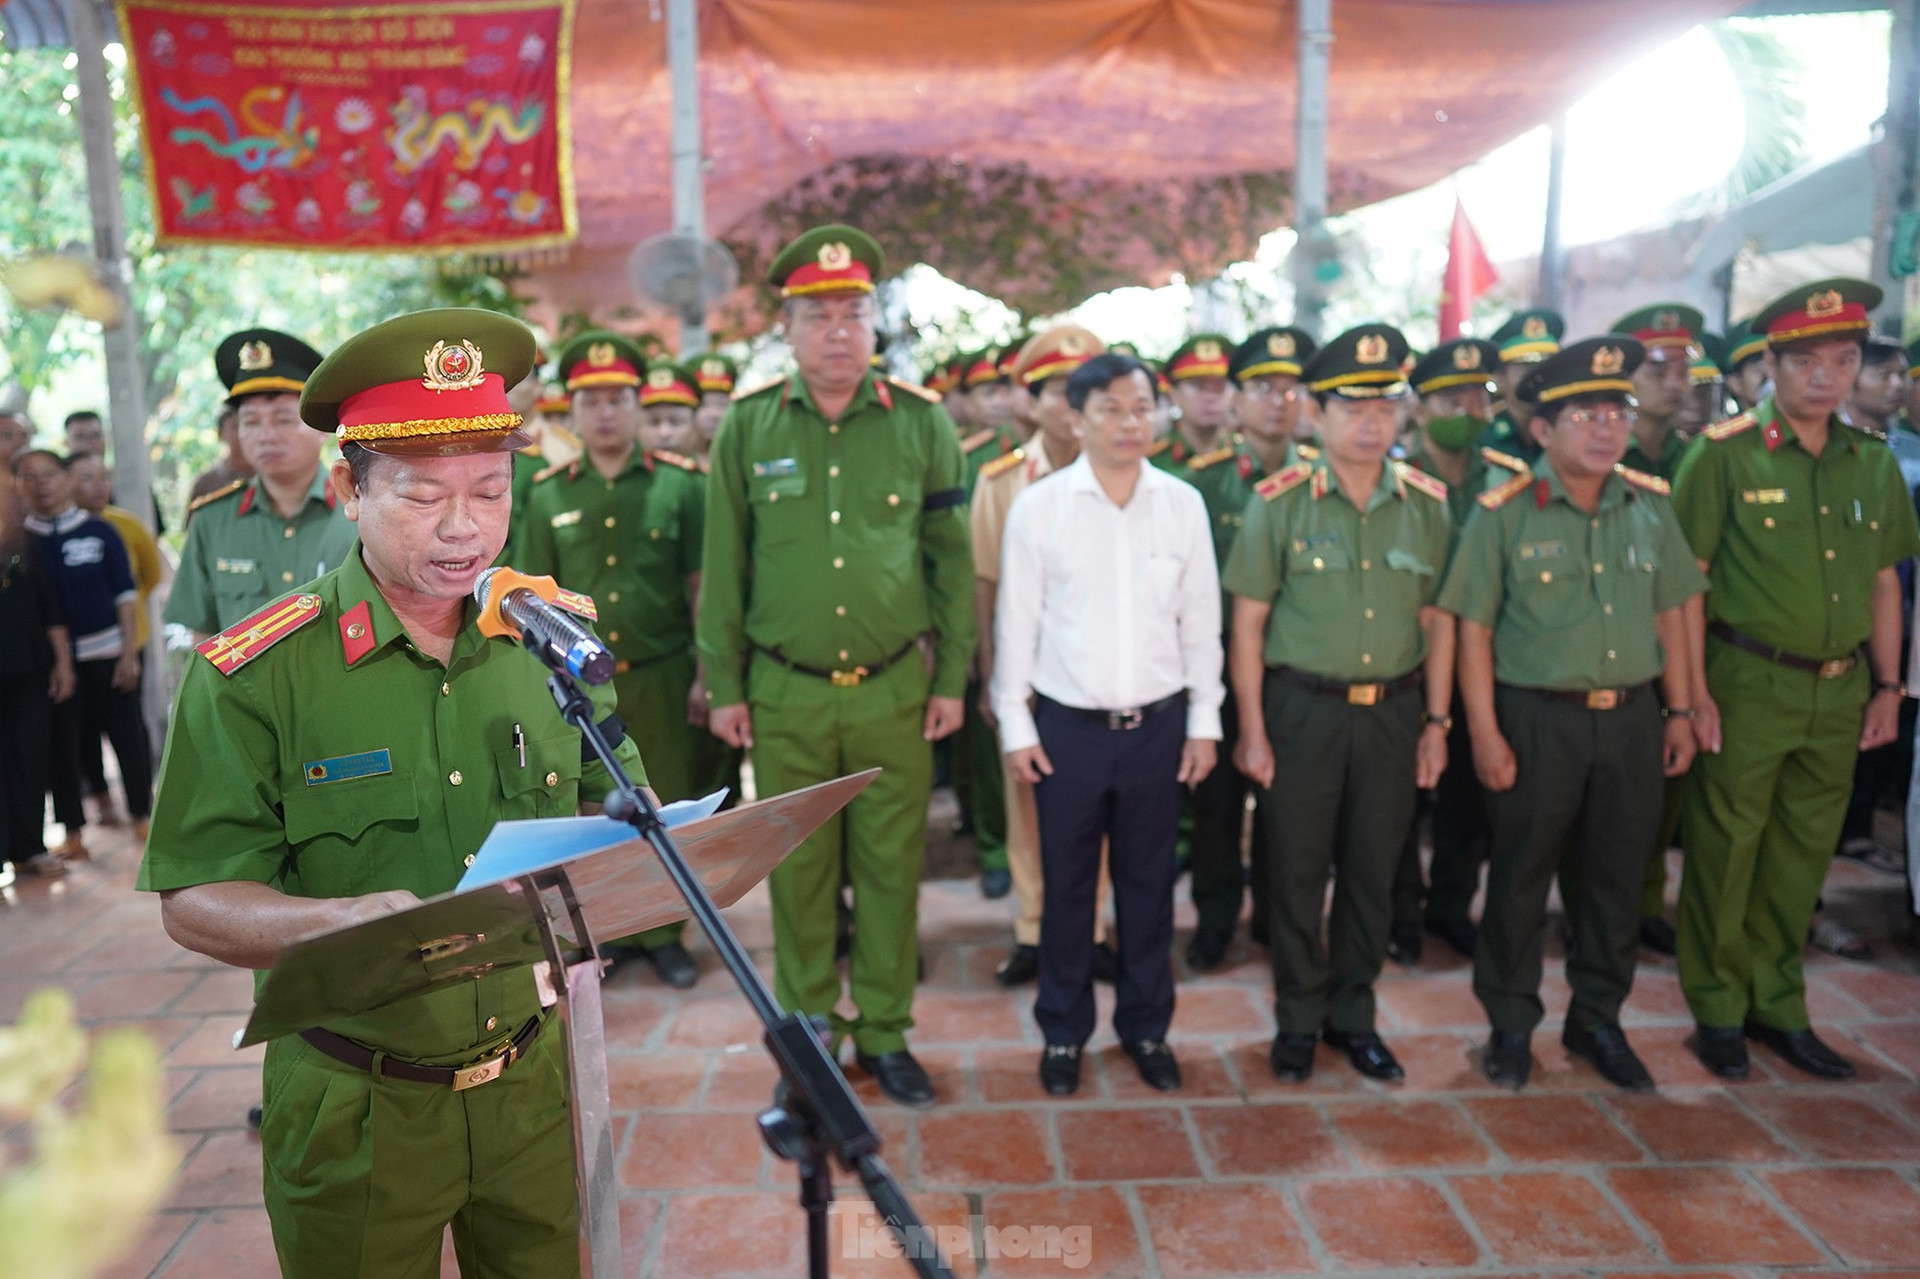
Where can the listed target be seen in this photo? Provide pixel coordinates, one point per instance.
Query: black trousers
(95, 707)
(1118, 786)
(1219, 806)
(1589, 790)
(1342, 799)
(1460, 833)
(24, 711)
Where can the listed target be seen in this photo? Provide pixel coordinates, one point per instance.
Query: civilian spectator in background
(16, 432)
(229, 470)
(87, 437)
(36, 670)
(87, 564)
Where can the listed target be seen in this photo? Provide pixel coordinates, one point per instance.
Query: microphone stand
(815, 1119)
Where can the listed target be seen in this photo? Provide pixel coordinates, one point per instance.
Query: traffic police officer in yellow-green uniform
(1800, 521)
(1203, 399)
(260, 537)
(624, 525)
(1267, 405)
(1569, 585)
(345, 751)
(1343, 668)
(836, 624)
(1525, 338)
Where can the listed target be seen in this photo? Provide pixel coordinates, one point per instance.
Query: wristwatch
(1444, 721)
(1890, 686)
(1678, 712)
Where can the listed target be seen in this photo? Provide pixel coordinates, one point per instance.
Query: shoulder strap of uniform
(1002, 464)
(547, 473)
(1308, 451)
(1505, 460)
(1205, 460)
(979, 438)
(216, 495)
(1640, 479)
(577, 604)
(760, 388)
(914, 388)
(1731, 427)
(1287, 477)
(247, 639)
(1160, 446)
(1495, 498)
(1415, 478)
(680, 460)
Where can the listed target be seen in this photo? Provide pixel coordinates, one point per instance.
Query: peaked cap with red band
(1825, 308)
(1055, 352)
(601, 358)
(716, 373)
(1663, 325)
(981, 367)
(670, 384)
(430, 383)
(828, 259)
(1202, 355)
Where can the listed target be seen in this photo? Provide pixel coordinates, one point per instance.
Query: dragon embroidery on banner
(417, 136)
(284, 147)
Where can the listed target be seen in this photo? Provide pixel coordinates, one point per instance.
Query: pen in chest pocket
(520, 744)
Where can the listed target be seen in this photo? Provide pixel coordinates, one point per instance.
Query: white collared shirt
(1107, 607)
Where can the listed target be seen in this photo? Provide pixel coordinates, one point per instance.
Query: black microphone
(512, 603)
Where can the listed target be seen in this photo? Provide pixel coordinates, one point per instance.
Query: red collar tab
(882, 394)
(1542, 494)
(327, 493)
(246, 498)
(1773, 435)
(356, 632)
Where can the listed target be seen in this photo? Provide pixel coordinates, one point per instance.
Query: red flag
(1469, 274)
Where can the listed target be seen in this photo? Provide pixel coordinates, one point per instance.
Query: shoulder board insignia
(680, 460)
(977, 439)
(1731, 427)
(1495, 498)
(1309, 451)
(1160, 446)
(1415, 478)
(760, 388)
(247, 639)
(915, 389)
(577, 604)
(1205, 460)
(1506, 460)
(1869, 432)
(216, 495)
(1640, 479)
(547, 473)
(1002, 464)
(1285, 478)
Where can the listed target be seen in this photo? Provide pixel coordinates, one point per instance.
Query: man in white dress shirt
(1107, 687)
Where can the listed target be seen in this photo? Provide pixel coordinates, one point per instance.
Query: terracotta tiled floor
(1236, 1175)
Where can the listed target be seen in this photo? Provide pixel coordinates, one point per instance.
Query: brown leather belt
(458, 1078)
(1824, 667)
(1594, 699)
(1354, 694)
(839, 679)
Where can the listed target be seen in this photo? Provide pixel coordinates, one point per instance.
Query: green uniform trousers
(1459, 825)
(978, 745)
(806, 731)
(363, 1175)
(1342, 798)
(683, 761)
(1219, 808)
(1588, 794)
(1761, 820)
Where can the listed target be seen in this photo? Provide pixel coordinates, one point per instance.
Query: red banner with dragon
(424, 127)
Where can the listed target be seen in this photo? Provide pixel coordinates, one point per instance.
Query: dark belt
(1121, 721)
(621, 668)
(1594, 699)
(458, 1078)
(1824, 667)
(1353, 694)
(839, 679)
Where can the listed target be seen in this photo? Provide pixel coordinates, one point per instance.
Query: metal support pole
(1896, 153)
(689, 180)
(126, 381)
(1310, 164)
(1550, 290)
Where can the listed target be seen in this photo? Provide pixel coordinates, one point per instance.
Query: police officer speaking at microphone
(341, 753)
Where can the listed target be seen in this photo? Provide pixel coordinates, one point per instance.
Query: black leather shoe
(996, 883)
(1461, 934)
(1508, 1058)
(1207, 949)
(1803, 1050)
(1021, 966)
(1291, 1057)
(1403, 944)
(674, 965)
(1257, 934)
(899, 1076)
(1656, 934)
(1721, 1050)
(1158, 1066)
(253, 1119)
(1607, 1049)
(1106, 964)
(1368, 1054)
(1060, 1069)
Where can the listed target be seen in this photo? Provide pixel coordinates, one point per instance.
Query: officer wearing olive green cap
(1709, 371)
(342, 753)
(1203, 398)
(1569, 585)
(1343, 667)
(260, 537)
(1525, 338)
(1801, 522)
(1669, 332)
(1746, 370)
(836, 548)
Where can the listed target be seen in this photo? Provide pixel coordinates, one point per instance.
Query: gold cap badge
(1666, 321)
(714, 368)
(1281, 344)
(1825, 305)
(600, 354)
(1071, 344)
(660, 379)
(1608, 361)
(1533, 327)
(835, 256)
(255, 356)
(1206, 350)
(1466, 357)
(453, 368)
(1370, 349)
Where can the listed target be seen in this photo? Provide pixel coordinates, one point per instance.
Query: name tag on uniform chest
(1543, 550)
(343, 768)
(565, 518)
(1763, 497)
(777, 467)
(235, 566)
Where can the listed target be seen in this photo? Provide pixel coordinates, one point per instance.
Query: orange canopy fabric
(1040, 150)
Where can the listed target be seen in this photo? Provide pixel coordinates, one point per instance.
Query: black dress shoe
(1656, 934)
(1461, 934)
(996, 883)
(1106, 964)
(1721, 1050)
(899, 1076)
(1804, 1050)
(1207, 949)
(1403, 943)
(1291, 1057)
(1021, 966)
(1257, 934)
(1157, 1064)
(1508, 1058)
(1607, 1049)
(1368, 1054)
(1060, 1069)
(674, 965)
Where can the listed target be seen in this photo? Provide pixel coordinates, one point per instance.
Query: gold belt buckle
(1603, 699)
(1835, 667)
(484, 1073)
(848, 679)
(1363, 694)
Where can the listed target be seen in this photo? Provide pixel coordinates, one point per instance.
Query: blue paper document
(520, 848)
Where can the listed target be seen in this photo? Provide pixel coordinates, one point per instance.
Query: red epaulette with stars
(1415, 478)
(1495, 498)
(1731, 427)
(245, 640)
(1287, 477)
(1640, 479)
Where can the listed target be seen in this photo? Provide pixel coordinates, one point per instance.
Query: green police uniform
(832, 548)
(318, 750)
(1571, 597)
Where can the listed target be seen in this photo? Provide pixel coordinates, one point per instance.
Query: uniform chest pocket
(1554, 590)
(1306, 560)
(780, 507)
(893, 508)
(1405, 561)
(1767, 512)
(334, 827)
(237, 579)
(548, 785)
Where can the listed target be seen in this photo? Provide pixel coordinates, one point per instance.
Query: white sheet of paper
(522, 847)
